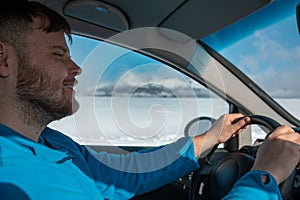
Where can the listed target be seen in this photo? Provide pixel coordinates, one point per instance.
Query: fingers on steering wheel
(281, 131)
(240, 124)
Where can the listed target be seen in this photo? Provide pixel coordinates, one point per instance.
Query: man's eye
(58, 55)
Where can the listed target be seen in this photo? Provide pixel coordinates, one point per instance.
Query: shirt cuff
(252, 187)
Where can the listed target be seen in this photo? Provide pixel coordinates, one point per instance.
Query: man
(37, 77)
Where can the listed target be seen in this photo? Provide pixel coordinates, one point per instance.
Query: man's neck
(28, 131)
(26, 119)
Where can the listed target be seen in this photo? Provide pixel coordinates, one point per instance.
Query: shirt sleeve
(251, 187)
(123, 176)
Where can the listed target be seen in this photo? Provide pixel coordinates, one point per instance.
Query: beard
(41, 99)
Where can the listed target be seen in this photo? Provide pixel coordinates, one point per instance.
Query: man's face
(46, 74)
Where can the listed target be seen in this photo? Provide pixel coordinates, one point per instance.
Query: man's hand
(279, 154)
(222, 130)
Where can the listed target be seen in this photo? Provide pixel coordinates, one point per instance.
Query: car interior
(171, 32)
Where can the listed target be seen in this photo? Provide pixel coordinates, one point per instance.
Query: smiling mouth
(70, 84)
(70, 87)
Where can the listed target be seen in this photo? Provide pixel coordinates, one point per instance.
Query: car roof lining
(171, 14)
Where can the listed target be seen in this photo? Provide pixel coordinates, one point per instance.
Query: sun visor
(99, 13)
(199, 18)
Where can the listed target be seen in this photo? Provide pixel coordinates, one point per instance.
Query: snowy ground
(143, 121)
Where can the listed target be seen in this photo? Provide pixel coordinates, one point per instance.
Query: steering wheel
(220, 170)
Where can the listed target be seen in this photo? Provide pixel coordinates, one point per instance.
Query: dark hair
(16, 17)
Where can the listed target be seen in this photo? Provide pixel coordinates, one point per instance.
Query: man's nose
(74, 69)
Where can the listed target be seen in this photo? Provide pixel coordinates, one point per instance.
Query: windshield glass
(129, 99)
(266, 47)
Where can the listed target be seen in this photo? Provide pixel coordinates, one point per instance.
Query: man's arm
(140, 172)
(122, 176)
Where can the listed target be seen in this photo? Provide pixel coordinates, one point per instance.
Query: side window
(129, 99)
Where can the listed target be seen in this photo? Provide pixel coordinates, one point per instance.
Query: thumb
(240, 124)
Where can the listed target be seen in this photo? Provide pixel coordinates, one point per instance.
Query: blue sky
(271, 57)
(270, 54)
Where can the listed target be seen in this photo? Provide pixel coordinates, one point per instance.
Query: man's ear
(4, 70)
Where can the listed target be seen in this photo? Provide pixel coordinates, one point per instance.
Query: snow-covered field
(143, 121)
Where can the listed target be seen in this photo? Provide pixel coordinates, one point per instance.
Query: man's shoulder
(52, 133)
(58, 139)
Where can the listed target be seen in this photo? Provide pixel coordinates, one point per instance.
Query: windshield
(266, 47)
(129, 99)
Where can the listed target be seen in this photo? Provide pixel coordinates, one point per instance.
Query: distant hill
(149, 90)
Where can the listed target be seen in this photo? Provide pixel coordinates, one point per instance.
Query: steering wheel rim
(286, 188)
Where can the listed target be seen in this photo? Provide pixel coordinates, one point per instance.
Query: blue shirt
(74, 172)
(251, 187)
(70, 170)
